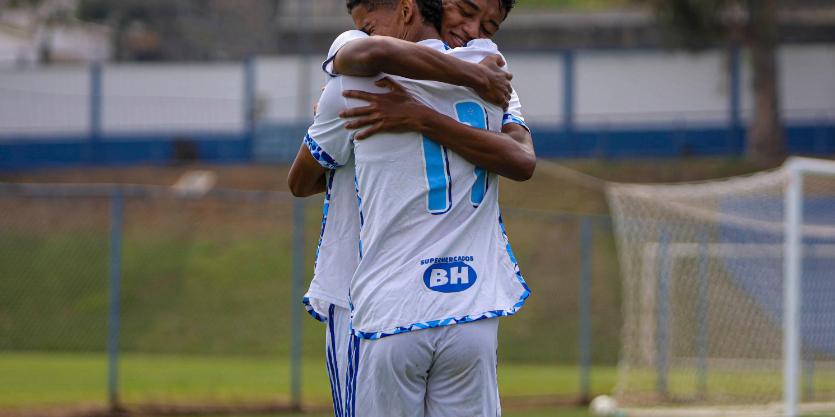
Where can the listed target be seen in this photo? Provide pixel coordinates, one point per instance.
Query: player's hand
(496, 86)
(396, 111)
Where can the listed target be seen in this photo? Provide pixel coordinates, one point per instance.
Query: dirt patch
(247, 177)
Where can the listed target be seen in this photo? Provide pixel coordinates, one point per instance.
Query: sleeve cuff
(509, 118)
(319, 154)
(327, 67)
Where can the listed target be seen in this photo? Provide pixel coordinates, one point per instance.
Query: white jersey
(514, 109)
(337, 253)
(433, 250)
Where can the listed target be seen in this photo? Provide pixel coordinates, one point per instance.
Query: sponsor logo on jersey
(449, 277)
(446, 259)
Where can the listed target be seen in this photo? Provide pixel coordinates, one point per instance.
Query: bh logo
(449, 277)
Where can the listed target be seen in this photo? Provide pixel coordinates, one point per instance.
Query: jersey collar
(435, 44)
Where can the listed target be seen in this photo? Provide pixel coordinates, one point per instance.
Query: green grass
(220, 285)
(32, 380)
(206, 290)
(210, 277)
(557, 412)
(40, 379)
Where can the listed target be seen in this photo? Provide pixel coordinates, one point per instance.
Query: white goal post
(713, 282)
(797, 168)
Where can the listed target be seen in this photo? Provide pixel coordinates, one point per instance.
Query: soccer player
(510, 155)
(337, 252)
(501, 290)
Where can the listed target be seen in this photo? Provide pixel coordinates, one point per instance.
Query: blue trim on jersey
(463, 319)
(325, 208)
(333, 368)
(356, 372)
(509, 118)
(319, 154)
(312, 311)
(512, 257)
(359, 207)
(351, 377)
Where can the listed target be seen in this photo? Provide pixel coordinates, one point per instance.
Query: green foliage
(127, 10)
(23, 3)
(694, 24)
(94, 10)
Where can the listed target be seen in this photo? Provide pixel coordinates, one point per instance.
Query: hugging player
(414, 190)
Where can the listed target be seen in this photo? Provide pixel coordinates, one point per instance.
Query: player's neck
(423, 32)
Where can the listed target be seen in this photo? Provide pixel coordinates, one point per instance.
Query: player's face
(465, 20)
(380, 21)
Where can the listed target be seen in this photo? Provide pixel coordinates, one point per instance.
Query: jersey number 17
(436, 163)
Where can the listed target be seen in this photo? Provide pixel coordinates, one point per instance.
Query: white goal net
(704, 269)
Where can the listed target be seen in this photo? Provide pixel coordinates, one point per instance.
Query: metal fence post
(734, 106)
(249, 106)
(95, 154)
(586, 236)
(662, 316)
(115, 269)
(568, 91)
(295, 303)
(702, 314)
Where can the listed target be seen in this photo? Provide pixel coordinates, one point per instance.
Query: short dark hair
(507, 6)
(370, 4)
(432, 11)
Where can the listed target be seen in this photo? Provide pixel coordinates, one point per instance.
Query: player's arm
(509, 153)
(382, 54)
(307, 176)
(326, 145)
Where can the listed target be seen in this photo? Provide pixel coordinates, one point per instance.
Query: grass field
(556, 412)
(53, 379)
(193, 272)
(206, 289)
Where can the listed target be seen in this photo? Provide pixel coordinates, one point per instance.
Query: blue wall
(124, 150)
(279, 143)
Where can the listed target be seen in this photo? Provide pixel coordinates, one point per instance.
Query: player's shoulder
(343, 39)
(475, 50)
(486, 45)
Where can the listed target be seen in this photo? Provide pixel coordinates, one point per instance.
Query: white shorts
(441, 372)
(337, 341)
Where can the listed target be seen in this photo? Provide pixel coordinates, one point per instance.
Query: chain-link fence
(143, 297)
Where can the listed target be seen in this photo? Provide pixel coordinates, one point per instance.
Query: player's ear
(407, 10)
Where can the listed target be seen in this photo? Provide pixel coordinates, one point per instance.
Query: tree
(185, 29)
(12, 4)
(697, 24)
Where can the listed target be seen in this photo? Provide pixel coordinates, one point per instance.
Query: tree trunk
(766, 142)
